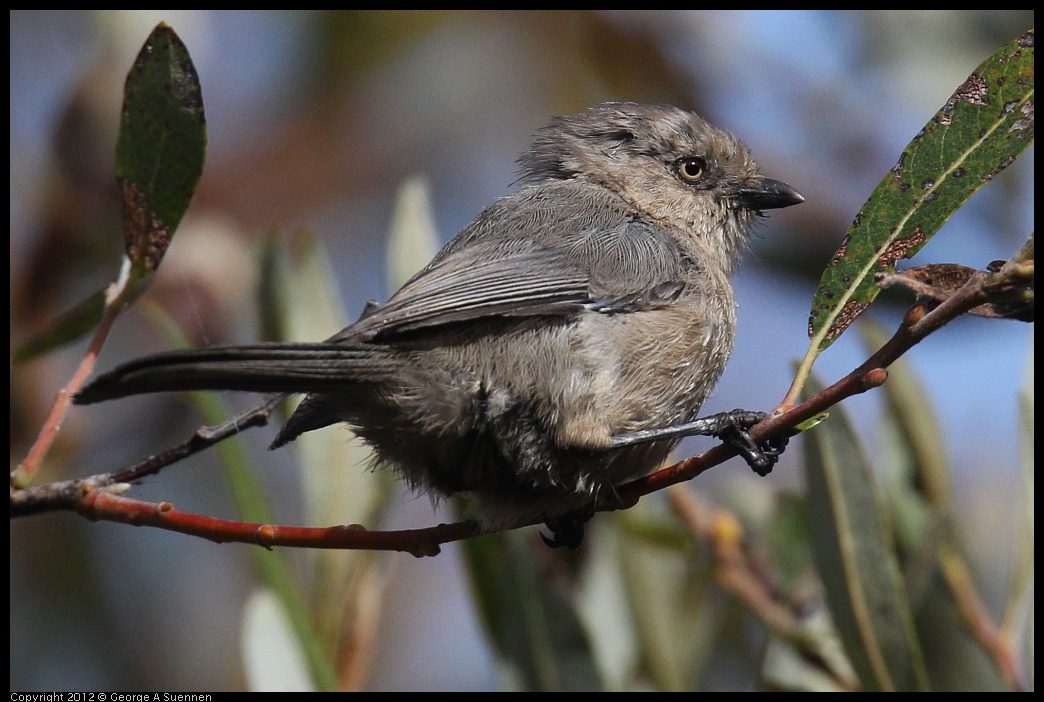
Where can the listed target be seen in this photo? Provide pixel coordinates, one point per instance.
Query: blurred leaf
(666, 584)
(161, 146)
(71, 325)
(533, 625)
(412, 238)
(852, 548)
(789, 537)
(602, 601)
(272, 657)
(786, 667)
(300, 303)
(980, 131)
(1022, 566)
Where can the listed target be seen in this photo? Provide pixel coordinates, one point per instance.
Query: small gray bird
(561, 344)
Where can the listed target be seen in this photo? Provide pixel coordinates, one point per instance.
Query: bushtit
(559, 345)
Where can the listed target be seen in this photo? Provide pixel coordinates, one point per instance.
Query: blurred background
(315, 119)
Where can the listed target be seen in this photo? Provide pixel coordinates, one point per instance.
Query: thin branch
(977, 620)
(23, 475)
(66, 494)
(105, 505)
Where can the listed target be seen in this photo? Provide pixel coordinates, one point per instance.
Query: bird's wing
(627, 267)
(473, 284)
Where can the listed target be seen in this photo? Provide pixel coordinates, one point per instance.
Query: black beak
(770, 195)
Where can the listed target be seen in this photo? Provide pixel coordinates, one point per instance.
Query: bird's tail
(264, 368)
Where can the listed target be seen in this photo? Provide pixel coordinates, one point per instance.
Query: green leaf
(852, 549)
(160, 148)
(980, 131)
(530, 620)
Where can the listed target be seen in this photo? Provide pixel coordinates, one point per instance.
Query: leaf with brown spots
(161, 145)
(938, 282)
(1008, 285)
(159, 159)
(982, 129)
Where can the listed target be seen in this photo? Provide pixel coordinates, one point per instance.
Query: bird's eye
(690, 168)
